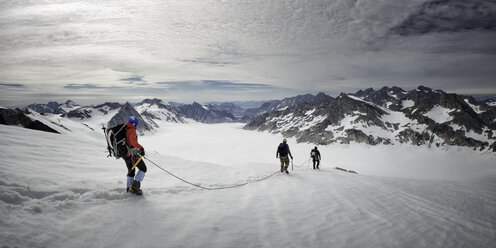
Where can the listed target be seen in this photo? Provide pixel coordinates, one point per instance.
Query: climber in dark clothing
(282, 153)
(315, 154)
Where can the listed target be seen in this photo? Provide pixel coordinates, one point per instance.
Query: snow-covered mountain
(155, 110)
(51, 107)
(277, 105)
(241, 104)
(151, 113)
(67, 107)
(229, 107)
(206, 113)
(387, 116)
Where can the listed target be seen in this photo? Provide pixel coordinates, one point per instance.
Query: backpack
(313, 154)
(282, 150)
(116, 141)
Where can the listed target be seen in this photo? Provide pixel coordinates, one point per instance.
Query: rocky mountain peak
(71, 103)
(124, 113)
(155, 101)
(387, 116)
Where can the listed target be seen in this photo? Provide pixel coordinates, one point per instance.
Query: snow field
(62, 191)
(440, 114)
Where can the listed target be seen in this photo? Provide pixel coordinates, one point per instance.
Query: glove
(133, 151)
(142, 151)
(291, 157)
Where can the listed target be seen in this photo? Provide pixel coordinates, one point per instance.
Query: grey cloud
(449, 16)
(284, 47)
(86, 86)
(132, 79)
(214, 85)
(12, 85)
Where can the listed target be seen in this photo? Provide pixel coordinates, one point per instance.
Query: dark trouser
(318, 163)
(130, 162)
(284, 163)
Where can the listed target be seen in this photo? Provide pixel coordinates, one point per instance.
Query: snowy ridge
(154, 110)
(388, 116)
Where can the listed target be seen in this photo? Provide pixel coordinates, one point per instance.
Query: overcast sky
(220, 50)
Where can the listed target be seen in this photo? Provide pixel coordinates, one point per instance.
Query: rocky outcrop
(18, 117)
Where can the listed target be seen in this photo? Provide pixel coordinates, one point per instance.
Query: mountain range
(387, 116)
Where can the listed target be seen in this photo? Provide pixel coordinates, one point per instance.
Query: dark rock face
(206, 114)
(108, 106)
(124, 113)
(413, 137)
(80, 113)
(489, 117)
(387, 116)
(15, 118)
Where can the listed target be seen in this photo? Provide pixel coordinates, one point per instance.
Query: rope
(306, 162)
(211, 188)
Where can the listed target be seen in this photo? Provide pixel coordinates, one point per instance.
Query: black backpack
(116, 141)
(282, 149)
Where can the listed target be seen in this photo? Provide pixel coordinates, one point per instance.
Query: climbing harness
(210, 188)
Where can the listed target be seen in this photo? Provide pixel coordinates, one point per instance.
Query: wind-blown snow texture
(60, 190)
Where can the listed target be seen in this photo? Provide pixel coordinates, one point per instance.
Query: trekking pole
(292, 165)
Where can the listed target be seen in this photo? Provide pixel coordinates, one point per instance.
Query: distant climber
(315, 154)
(135, 153)
(282, 153)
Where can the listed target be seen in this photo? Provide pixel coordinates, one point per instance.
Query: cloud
(12, 85)
(214, 85)
(133, 79)
(449, 16)
(84, 86)
(259, 49)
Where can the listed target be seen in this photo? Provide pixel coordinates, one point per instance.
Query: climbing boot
(135, 188)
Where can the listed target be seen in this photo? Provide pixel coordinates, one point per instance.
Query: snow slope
(61, 191)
